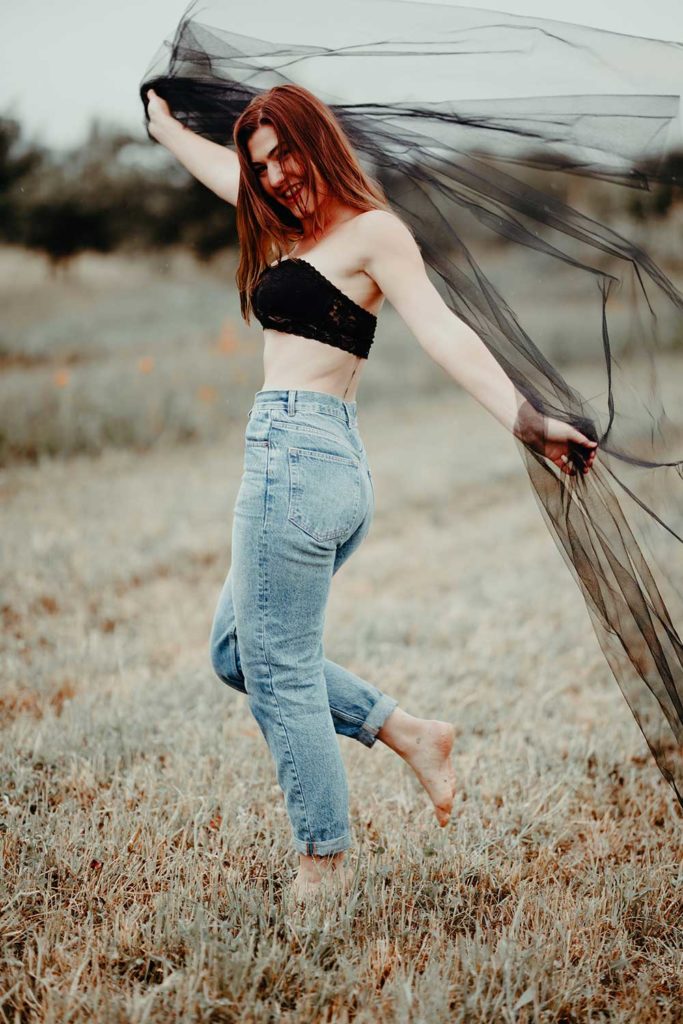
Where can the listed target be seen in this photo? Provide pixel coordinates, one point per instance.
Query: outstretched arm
(215, 166)
(394, 261)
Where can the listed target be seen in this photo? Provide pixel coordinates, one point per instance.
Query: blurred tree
(207, 223)
(18, 160)
(62, 225)
(111, 192)
(661, 198)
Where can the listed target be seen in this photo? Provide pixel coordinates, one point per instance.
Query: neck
(334, 213)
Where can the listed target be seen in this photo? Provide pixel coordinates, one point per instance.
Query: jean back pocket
(324, 493)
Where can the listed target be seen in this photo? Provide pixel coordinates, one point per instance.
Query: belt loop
(291, 403)
(347, 414)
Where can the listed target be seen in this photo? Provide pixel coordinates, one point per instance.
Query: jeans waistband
(312, 401)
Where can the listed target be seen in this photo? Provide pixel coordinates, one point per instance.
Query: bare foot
(318, 875)
(426, 745)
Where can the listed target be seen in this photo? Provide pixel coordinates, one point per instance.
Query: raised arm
(394, 261)
(215, 166)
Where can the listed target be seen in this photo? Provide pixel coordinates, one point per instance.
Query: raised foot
(429, 755)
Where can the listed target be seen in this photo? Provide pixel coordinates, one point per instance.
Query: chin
(304, 206)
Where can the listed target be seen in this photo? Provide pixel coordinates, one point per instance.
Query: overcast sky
(61, 63)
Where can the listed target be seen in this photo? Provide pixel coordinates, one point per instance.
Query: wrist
(530, 427)
(168, 131)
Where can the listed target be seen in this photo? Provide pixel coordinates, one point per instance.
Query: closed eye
(260, 168)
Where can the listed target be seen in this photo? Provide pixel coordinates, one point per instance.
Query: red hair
(307, 126)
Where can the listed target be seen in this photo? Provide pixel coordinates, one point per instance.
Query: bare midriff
(290, 361)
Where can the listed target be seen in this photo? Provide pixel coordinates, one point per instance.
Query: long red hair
(310, 131)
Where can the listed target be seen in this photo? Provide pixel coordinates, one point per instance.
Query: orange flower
(146, 364)
(61, 378)
(228, 342)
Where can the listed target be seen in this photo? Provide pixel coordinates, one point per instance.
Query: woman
(320, 251)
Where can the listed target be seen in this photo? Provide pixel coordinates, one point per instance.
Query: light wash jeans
(304, 504)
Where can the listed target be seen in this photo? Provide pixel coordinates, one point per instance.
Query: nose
(275, 175)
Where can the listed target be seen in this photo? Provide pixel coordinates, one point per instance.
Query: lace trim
(357, 346)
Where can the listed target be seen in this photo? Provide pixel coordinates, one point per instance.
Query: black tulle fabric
(294, 297)
(459, 109)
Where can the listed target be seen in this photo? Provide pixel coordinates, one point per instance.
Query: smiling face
(279, 173)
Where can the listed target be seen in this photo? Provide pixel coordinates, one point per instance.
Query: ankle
(316, 867)
(401, 731)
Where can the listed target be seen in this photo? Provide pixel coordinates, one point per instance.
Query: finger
(575, 435)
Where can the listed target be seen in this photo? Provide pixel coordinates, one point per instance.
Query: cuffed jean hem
(322, 849)
(381, 710)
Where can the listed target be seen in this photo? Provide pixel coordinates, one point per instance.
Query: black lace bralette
(294, 297)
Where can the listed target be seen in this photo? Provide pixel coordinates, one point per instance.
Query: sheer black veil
(453, 107)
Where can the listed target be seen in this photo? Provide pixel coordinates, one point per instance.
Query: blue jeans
(304, 504)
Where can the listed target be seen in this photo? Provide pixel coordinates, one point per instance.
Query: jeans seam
(323, 435)
(351, 719)
(263, 583)
(324, 456)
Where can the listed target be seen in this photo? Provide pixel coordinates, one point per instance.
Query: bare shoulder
(394, 261)
(382, 233)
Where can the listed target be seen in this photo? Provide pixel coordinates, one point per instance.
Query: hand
(567, 447)
(159, 114)
(556, 440)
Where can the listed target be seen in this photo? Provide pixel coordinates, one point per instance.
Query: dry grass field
(145, 848)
